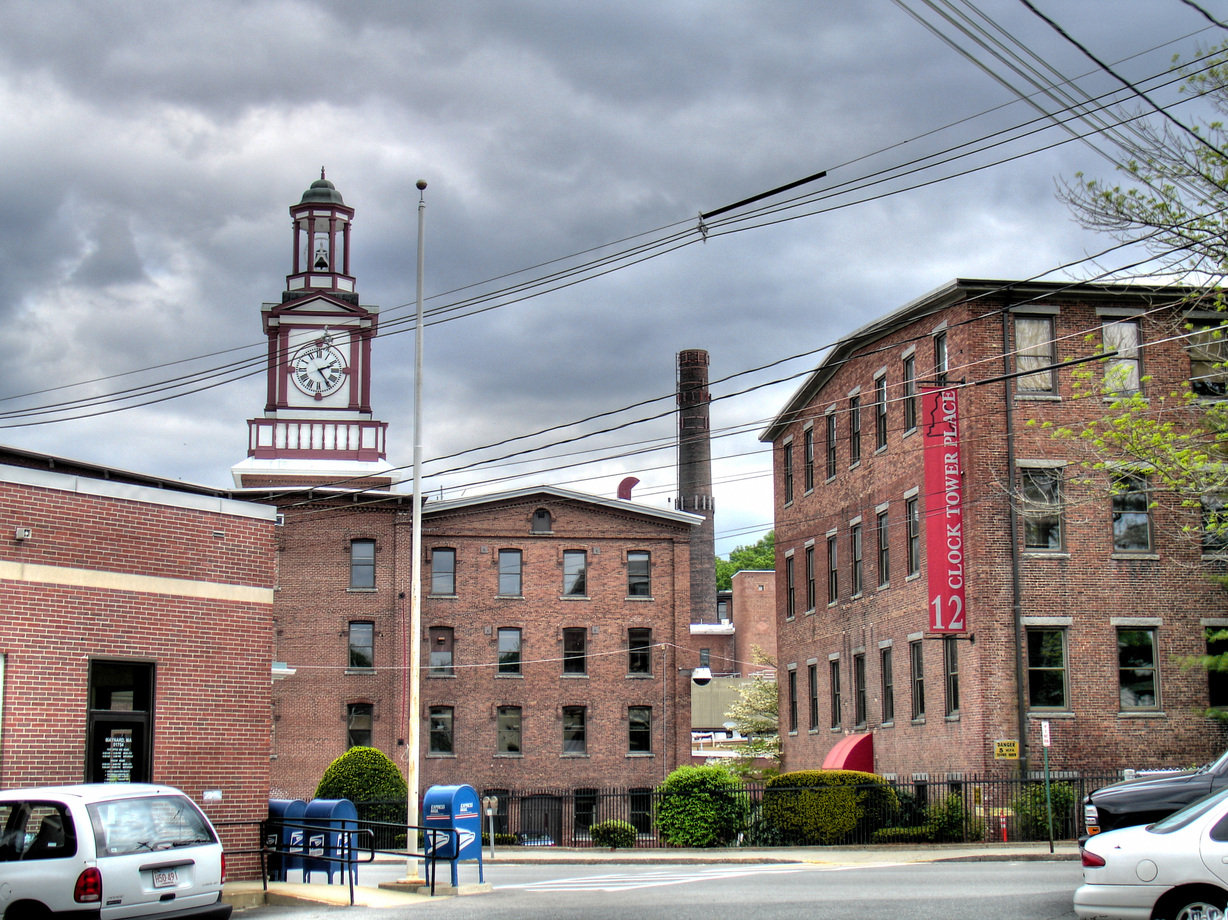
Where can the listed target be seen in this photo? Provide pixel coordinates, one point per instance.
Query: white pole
(415, 569)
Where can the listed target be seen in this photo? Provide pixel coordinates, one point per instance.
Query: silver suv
(108, 851)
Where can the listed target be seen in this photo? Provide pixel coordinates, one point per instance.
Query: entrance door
(121, 712)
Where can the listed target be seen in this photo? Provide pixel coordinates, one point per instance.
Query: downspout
(1013, 525)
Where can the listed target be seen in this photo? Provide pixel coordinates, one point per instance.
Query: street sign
(1044, 732)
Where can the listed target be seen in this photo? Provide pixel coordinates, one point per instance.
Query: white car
(1175, 869)
(106, 851)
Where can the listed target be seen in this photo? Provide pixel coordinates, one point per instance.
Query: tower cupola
(321, 223)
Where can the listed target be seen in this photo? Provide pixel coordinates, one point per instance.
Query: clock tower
(317, 426)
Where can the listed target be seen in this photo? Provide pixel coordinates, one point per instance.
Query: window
(509, 650)
(913, 521)
(1217, 681)
(575, 652)
(790, 595)
(854, 430)
(508, 730)
(884, 549)
(705, 658)
(792, 700)
(575, 572)
(362, 644)
(443, 571)
(574, 738)
(1131, 515)
(1041, 507)
(722, 609)
(833, 668)
(584, 807)
(950, 671)
(910, 392)
(541, 522)
(362, 564)
(440, 655)
(1214, 525)
(786, 462)
(639, 577)
(917, 662)
(859, 690)
(810, 577)
(639, 729)
(831, 445)
(36, 830)
(1122, 375)
(1208, 350)
(1046, 668)
(833, 575)
(358, 720)
(639, 651)
(812, 679)
(1034, 354)
(941, 367)
(510, 571)
(641, 810)
(1136, 669)
(441, 730)
(808, 459)
(888, 681)
(880, 413)
(855, 554)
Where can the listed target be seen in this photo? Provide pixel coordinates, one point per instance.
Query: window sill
(349, 671)
(1045, 554)
(912, 576)
(508, 755)
(808, 613)
(909, 431)
(880, 450)
(566, 676)
(441, 676)
(574, 756)
(574, 597)
(361, 590)
(888, 724)
(1142, 714)
(638, 676)
(854, 465)
(509, 677)
(951, 717)
(1050, 714)
(509, 597)
(639, 754)
(640, 598)
(1135, 557)
(834, 729)
(435, 755)
(445, 596)
(920, 720)
(1037, 397)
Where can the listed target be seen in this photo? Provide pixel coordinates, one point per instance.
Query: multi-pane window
(910, 392)
(917, 666)
(1214, 524)
(950, 671)
(440, 732)
(812, 678)
(575, 740)
(1046, 668)
(833, 575)
(859, 689)
(941, 365)
(639, 574)
(1034, 354)
(575, 573)
(440, 654)
(884, 549)
(1122, 373)
(912, 521)
(509, 650)
(880, 412)
(639, 650)
(810, 577)
(1208, 350)
(888, 681)
(831, 445)
(443, 571)
(792, 678)
(362, 644)
(584, 806)
(511, 568)
(854, 430)
(575, 650)
(507, 730)
(359, 718)
(705, 658)
(855, 571)
(833, 670)
(1217, 681)
(639, 729)
(808, 459)
(1138, 680)
(362, 563)
(786, 462)
(1041, 507)
(790, 592)
(1131, 514)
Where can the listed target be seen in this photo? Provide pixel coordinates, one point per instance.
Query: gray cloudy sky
(150, 151)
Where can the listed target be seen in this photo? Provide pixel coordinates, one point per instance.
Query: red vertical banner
(944, 510)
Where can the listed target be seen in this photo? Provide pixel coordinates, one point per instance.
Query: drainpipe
(1013, 524)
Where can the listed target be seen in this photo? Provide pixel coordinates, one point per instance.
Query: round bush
(808, 807)
(700, 807)
(368, 778)
(613, 834)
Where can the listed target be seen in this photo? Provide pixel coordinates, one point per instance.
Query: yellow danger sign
(1006, 749)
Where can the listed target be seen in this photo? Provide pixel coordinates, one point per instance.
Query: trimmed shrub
(946, 821)
(613, 834)
(808, 807)
(368, 778)
(700, 807)
(1032, 817)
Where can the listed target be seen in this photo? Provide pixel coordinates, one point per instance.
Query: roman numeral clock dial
(318, 369)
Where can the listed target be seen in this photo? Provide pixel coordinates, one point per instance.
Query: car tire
(1194, 904)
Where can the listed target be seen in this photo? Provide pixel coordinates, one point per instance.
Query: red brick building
(136, 639)
(1083, 589)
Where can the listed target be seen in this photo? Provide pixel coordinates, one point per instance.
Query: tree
(757, 557)
(756, 716)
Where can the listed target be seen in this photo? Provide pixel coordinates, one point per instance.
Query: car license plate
(165, 878)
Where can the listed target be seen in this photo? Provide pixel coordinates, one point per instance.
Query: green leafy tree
(756, 716)
(756, 557)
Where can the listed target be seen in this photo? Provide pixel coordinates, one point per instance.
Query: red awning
(852, 752)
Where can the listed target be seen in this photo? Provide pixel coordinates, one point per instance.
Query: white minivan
(108, 851)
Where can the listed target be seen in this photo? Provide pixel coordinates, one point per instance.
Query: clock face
(318, 369)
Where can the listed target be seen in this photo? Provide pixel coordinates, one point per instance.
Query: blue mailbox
(329, 825)
(284, 837)
(453, 808)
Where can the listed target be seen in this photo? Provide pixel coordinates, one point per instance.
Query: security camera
(701, 676)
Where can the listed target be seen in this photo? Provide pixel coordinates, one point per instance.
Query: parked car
(105, 851)
(1141, 801)
(1174, 869)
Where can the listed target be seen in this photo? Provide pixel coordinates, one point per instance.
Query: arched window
(542, 522)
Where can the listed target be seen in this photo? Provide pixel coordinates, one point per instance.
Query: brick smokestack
(695, 479)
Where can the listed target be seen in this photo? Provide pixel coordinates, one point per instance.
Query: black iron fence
(970, 808)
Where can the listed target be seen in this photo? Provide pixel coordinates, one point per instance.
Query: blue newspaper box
(454, 808)
(326, 837)
(282, 837)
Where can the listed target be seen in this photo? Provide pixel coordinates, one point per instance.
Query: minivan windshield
(148, 823)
